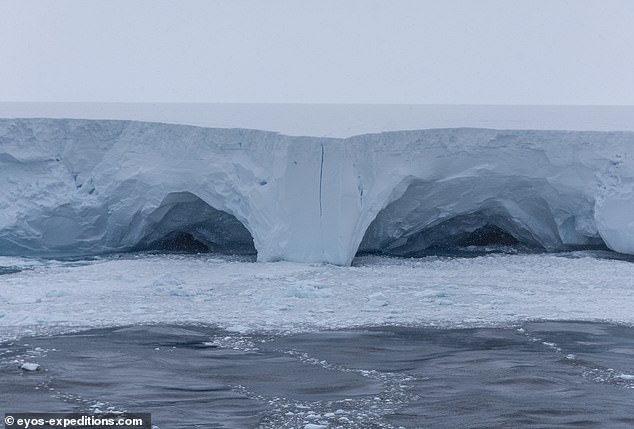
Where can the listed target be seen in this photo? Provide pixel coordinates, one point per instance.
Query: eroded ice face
(77, 187)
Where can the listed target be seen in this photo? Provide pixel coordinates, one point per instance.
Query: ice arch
(484, 210)
(184, 222)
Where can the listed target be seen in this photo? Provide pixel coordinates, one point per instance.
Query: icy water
(535, 375)
(500, 340)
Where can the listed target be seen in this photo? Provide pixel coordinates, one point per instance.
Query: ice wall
(91, 186)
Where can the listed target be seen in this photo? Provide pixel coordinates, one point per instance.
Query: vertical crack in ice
(321, 176)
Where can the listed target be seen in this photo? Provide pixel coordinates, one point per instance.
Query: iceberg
(82, 186)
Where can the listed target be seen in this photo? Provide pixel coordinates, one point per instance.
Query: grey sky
(334, 51)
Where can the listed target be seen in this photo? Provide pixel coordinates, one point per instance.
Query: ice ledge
(90, 186)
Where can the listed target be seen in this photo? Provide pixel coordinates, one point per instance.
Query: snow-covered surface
(88, 187)
(483, 291)
(339, 120)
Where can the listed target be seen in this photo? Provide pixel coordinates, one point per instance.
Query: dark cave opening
(179, 242)
(184, 223)
(445, 240)
(488, 235)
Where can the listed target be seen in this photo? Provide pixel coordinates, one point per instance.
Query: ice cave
(480, 211)
(185, 223)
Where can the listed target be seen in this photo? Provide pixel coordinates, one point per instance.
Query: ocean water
(508, 340)
(562, 374)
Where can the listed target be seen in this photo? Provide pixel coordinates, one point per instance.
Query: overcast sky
(325, 51)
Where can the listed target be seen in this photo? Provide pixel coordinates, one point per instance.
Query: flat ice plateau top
(91, 186)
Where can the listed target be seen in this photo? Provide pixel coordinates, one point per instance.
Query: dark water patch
(542, 375)
(184, 376)
(9, 270)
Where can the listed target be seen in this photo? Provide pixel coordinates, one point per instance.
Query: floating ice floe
(30, 366)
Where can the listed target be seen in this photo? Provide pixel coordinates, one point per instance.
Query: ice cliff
(94, 186)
